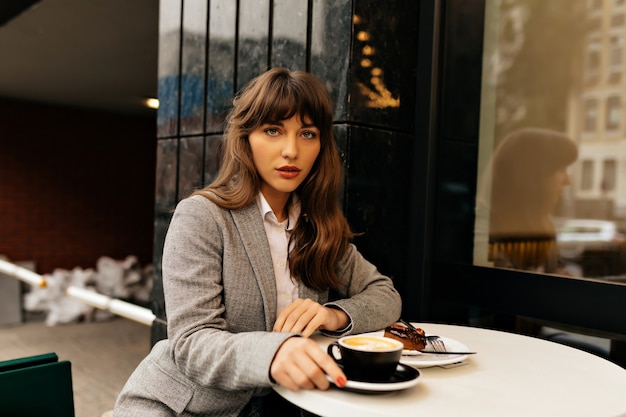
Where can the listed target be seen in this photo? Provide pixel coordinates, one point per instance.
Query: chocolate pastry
(412, 339)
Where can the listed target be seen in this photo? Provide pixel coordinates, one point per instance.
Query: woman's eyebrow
(280, 123)
(274, 122)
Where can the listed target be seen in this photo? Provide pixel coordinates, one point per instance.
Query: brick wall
(75, 184)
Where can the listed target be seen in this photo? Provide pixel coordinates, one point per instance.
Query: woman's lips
(288, 172)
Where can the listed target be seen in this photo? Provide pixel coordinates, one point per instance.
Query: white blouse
(278, 238)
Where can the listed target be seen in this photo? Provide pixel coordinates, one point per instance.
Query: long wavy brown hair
(322, 234)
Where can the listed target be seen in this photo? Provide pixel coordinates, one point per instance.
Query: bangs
(284, 97)
(284, 106)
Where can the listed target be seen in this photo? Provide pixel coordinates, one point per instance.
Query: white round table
(511, 375)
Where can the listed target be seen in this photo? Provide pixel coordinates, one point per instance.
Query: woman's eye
(272, 131)
(309, 135)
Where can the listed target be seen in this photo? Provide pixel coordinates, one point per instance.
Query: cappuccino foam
(372, 344)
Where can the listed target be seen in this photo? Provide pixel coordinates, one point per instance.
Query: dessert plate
(404, 377)
(426, 360)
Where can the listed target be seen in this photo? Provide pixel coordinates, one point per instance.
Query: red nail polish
(341, 382)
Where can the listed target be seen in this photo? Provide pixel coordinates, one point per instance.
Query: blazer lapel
(249, 223)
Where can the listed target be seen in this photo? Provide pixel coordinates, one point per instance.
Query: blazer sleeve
(201, 240)
(367, 296)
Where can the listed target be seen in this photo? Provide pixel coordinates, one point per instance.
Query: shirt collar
(294, 210)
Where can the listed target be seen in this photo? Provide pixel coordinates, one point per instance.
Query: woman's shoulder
(197, 208)
(196, 200)
(199, 204)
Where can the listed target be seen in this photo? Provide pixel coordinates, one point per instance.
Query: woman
(528, 178)
(249, 263)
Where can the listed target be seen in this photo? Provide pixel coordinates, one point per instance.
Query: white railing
(22, 274)
(87, 296)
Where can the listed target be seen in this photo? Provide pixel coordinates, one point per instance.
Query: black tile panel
(461, 72)
(384, 62)
(169, 68)
(341, 137)
(193, 63)
(212, 157)
(158, 331)
(161, 224)
(377, 202)
(221, 62)
(190, 166)
(455, 202)
(289, 34)
(166, 167)
(252, 59)
(331, 27)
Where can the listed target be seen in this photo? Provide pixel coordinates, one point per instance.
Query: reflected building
(596, 114)
(557, 65)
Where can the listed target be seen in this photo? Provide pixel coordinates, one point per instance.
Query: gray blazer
(220, 298)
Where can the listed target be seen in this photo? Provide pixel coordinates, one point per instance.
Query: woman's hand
(305, 316)
(301, 364)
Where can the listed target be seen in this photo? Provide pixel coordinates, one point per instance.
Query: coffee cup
(367, 358)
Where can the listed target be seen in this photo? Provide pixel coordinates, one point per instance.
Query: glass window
(613, 112)
(593, 58)
(586, 178)
(609, 175)
(509, 103)
(549, 157)
(617, 52)
(590, 114)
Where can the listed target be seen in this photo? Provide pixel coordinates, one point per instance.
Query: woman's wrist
(340, 318)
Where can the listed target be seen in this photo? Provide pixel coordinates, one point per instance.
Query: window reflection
(553, 69)
(527, 178)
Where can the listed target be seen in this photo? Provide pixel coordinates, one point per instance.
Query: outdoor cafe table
(511, 375)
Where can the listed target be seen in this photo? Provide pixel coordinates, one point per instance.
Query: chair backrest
(36, 386)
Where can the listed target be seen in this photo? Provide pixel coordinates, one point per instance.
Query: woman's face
(556, 183)
(284, 153)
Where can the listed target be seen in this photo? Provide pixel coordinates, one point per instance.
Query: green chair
(36, 386)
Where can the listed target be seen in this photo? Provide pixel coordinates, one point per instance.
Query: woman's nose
(290, 147)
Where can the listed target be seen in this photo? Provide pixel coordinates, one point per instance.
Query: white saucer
(404, 377)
